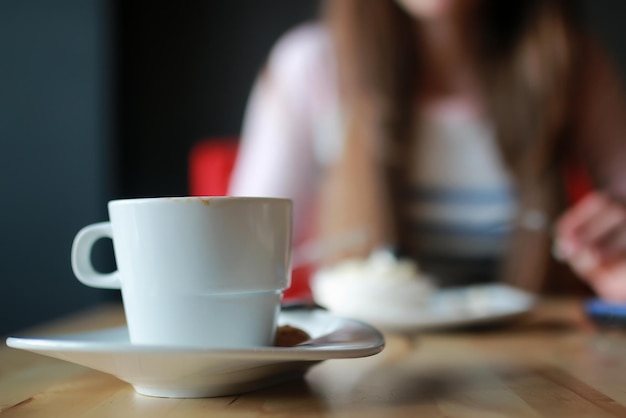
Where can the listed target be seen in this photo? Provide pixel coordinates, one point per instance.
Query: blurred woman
(443, 128)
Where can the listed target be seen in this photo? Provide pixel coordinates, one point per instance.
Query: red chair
(577, 181)
(211, 162)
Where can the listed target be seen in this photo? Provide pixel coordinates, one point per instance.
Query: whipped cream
(379, 284)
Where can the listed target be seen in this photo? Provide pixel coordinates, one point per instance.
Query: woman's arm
(591, 236)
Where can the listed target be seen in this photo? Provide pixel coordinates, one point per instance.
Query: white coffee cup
(195, 271)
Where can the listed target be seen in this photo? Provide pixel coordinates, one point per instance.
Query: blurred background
(104, 99)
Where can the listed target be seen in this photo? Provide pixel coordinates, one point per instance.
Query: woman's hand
(591, 237)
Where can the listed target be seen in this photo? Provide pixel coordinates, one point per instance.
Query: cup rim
(206, 200)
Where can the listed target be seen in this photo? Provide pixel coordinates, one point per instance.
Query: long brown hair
(527, 59)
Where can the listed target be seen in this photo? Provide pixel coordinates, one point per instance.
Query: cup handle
(81, 257)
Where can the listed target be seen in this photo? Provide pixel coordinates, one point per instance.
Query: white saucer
(444, 309)
(192, 373)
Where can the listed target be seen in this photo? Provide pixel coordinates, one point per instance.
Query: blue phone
(606, 314)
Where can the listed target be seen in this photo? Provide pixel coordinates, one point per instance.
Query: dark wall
(53, 154)
(185, 71)
(605, 19)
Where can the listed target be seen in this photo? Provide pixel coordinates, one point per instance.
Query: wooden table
(551, 363)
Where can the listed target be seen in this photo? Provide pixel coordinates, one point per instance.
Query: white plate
(192, 373)
(445, 309)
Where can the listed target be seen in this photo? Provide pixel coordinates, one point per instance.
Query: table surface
(550, 363)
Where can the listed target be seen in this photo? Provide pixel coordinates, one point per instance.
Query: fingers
(610, 283)
(582, 211)
(612, 246)
(593, 231)
(567, 246)
(591, 237)
(577, 220)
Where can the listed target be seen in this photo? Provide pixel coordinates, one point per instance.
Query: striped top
(461, 199)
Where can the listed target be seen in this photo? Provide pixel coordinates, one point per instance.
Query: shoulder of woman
(303, 49)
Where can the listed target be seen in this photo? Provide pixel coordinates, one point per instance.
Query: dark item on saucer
(289, 336)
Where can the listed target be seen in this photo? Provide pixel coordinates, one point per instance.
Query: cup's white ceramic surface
(195, 271)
